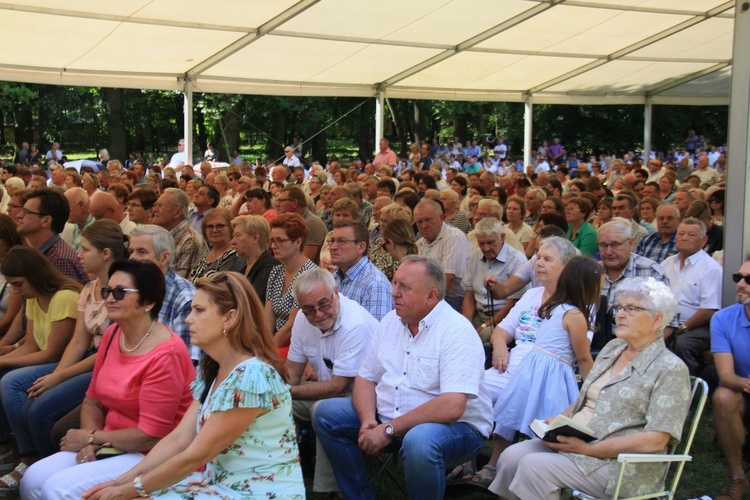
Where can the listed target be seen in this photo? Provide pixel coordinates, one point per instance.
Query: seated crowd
(361, 301)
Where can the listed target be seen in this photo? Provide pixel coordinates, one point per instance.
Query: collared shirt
(176, 308)
(177, 159)
(190, 248)
(292, 162)
(696, 286)
(195, 219)
(652, 248)
(636, 267)
(127, 226)
(368, 286)
(451, 249)
(76, 230)
(345, 345)
(730, 333)
(445, 356)
(507, 262)
(708, 175)
(662, 383)
(386, 157)
(64, 258)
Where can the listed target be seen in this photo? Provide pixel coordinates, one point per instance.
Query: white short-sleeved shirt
(697, 285)
(507, 261)
(446, 356)
(451, 249)
(345, 344)
(526, 272)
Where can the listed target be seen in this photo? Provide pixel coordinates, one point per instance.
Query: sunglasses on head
(118, 292)
(737, 277)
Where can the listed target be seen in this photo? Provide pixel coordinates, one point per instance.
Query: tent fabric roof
(549, 51)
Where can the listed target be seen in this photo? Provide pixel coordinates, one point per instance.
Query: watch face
(389, 430)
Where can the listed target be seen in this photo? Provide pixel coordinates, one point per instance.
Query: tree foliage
(85, 119)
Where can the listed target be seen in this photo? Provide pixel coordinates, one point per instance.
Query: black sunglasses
(736, 277)
(118, 292)
(328, 363)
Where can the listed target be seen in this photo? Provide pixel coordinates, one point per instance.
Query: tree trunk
(419, 121)
(481, 125)
(231, 124)
(460, 128)
(398, 127)
(117, 135)
(277, 148)
(318, 145)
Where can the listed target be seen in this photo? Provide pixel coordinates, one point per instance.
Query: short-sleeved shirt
(283, 303)
(445, 356)
(345, 344)
(636, 267)
(507, 261)
(190, 248)
(62, 305)
(652, 247)
(64, 258)
(451, 249)
(650, 394)
(696, 286)
(526, 272)
(317, 229)
(176, 307)
(730, 333)
(150, 391)
(368, 286)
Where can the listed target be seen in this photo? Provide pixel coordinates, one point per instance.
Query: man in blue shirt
(730, 344)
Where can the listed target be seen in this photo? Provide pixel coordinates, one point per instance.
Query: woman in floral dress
(240, 424)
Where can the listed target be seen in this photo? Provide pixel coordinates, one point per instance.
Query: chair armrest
(624, 458)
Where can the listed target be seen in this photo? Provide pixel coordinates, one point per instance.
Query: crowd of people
(360, 300)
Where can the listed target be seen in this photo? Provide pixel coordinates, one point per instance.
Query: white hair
(651, 294)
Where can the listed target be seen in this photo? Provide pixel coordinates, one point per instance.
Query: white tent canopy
(567, 52)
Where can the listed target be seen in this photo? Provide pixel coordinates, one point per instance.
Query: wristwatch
(683, 328)
(91, 437)
(138, 485)
(389, 431)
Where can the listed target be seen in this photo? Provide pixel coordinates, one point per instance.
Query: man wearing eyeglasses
(41, 220)
(357, 277)
(420, 391)
(695, 279)
(730, 345)
(332, 333)
(293, 199)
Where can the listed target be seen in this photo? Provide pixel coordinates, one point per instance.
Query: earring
(146, 309)
(224, 332)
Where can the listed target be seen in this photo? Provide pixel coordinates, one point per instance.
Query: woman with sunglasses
(139, 391)
(217, 230)
(33, 405)
(51, 300)
(288, 236)
(239, 424)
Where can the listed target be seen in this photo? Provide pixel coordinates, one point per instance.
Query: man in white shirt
(290, 160)
(333, 334)
(695, 279)
(54, 154)
(420, 391)
(444, 243)
(179, 158)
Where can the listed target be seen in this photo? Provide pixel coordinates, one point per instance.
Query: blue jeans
(426, 451)
(13, 387)
(38, 416)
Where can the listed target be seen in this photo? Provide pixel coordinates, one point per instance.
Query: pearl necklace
(122, 339)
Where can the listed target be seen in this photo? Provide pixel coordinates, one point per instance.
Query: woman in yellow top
(51, 311)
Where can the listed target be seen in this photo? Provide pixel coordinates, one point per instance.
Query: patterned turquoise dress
(264, 461)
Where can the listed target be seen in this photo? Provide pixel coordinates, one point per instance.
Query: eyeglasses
(134, 205)
(614, 245)
(216, 227)
(572, 210)
(118, 292)
(26, 212)
(340, 241)
(628, 310)
(14, 207)
(737, 277)
(384, 245)
(310, 311)
(278, 241)
(281, 200)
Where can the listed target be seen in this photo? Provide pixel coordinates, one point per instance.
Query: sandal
(11, 483)
(462, 471)
(485, 480)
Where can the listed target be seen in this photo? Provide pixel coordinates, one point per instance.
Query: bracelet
(17, 345)
(138, 485)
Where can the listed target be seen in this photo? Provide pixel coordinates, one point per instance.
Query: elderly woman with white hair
(635, 399)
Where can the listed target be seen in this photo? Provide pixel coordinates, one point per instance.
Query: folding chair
(387, 461)
(697, 403)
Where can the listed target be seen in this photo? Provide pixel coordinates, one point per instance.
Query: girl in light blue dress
(545, 383)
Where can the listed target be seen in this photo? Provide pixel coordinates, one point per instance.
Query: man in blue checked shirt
(357, 278)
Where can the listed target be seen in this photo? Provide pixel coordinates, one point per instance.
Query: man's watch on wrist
(683, 328)
(389, 431)
(138, 485)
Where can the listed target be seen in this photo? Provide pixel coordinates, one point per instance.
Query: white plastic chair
(697, 402)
